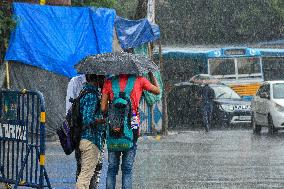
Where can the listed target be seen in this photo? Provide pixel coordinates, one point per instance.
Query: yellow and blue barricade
(22, 139)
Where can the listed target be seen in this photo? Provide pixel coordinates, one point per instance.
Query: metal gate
(22, 139)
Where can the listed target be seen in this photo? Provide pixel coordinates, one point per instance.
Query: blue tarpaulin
(133, 33)
(55, 38)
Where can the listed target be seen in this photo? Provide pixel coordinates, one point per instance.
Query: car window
(278, 90)
(224, 92)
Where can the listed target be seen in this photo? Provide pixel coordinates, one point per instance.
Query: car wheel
(271, 128)
(256, 128)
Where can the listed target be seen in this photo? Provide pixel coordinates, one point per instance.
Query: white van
(268, 107)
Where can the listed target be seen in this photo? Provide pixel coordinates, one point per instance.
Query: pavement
(219, 159)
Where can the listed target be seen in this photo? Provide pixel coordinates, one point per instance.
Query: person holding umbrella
(126, 67)
(128, 157)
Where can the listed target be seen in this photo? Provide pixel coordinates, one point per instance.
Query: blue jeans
(126, 168)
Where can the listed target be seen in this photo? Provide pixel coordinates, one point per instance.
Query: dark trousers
(78, 161)
(207, 115)
(126, 168)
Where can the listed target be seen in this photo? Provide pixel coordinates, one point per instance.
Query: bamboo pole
(151, 18)
(42, 2)
(152, 124)
(7, 74)
(164, 96)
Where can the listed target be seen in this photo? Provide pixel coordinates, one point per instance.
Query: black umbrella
(203, 78)
(116, 63)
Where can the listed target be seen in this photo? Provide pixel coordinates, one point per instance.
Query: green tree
(130, 9)
(6, 25)
(202, 22)
(141, 10)
(98, 3)
(278, 6)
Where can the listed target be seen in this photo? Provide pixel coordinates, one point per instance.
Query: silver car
(268, 107)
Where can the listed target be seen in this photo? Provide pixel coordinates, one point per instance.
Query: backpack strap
(86, 91)
(129, 86)
(83, 93)
(115, 87)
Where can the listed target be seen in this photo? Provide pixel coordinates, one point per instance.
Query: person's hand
(155, 89)
(116, 129)
(100, 121)
(150, 74)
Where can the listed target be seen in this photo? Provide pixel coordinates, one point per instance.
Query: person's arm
(154, 88)
(104, 103)
(105, 96)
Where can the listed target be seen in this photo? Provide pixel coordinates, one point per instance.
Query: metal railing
(22, 139)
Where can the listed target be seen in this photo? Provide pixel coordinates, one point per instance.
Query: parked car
(268, 107)
(185, 105)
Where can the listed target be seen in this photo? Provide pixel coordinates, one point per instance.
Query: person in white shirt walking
(75, 85)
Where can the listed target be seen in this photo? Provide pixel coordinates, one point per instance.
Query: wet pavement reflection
(193, 159)
(218, 159)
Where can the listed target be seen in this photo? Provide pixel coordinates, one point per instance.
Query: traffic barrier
(22, 139)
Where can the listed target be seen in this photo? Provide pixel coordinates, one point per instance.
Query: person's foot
(207, 129)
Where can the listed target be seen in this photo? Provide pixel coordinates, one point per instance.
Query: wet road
(218, 159)
(194, 159)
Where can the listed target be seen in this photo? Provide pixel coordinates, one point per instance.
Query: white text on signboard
(17, 132)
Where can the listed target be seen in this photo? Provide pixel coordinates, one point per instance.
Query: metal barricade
(22, 139)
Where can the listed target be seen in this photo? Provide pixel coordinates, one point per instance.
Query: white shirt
(75, 85)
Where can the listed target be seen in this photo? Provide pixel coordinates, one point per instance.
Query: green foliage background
(192, 22)
(6, 25)
(124, 8)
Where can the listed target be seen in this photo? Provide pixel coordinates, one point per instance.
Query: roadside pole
(150, 52)
(151, 18)
(42, 2)
(7, 74)
(164, 96)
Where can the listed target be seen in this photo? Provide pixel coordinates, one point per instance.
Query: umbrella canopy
(116, 63)
(204, 78)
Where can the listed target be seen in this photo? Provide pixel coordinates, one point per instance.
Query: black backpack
(70, 131)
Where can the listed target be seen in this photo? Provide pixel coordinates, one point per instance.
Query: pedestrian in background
(128, 157)
(74, 87)
(207, 96)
